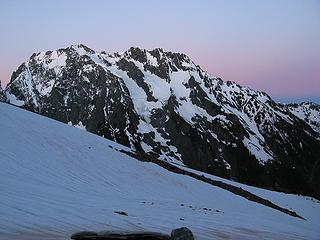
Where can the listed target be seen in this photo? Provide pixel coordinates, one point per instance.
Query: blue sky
(271, 45)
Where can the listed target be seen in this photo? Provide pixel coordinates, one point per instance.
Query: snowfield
(57, 180)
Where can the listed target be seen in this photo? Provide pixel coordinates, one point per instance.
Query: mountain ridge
(163, 104)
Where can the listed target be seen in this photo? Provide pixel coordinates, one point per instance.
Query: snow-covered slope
(308, 112)
(56, 180)
(163, 104)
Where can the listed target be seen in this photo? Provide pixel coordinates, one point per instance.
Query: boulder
(111, 235)
(182, 234)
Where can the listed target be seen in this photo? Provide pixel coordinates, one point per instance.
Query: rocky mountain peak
(163, 104)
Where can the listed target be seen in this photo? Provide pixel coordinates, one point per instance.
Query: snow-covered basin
(56, 180)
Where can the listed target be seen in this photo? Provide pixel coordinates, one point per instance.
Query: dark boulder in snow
(85, 235)
(121, 236)
(182, 234)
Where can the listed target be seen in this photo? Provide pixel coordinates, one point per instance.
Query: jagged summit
(164, 104)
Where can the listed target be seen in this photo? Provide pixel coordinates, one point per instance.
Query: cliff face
(2, 94)
(163, 104)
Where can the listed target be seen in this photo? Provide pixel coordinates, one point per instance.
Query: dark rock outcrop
(176, 234)
(120, 236)
(2, 94)
(85, 235)
(182, 234)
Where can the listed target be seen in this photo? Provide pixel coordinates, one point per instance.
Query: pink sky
(272, 45)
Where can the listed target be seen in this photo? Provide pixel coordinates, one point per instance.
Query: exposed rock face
(308, 112)
(163, 104)
(2, 95)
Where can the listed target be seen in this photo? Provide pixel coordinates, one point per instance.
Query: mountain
(165, 105)
(57, 180)
(308, 112)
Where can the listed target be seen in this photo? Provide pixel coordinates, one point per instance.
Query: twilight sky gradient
(271, 45)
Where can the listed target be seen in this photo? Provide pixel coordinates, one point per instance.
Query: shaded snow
(80, 126)
(308, 207)
(56, 180)
(152, 60)
(13, 99)
(57, 60)
(308, 113)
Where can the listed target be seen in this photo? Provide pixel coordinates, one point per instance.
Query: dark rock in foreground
(182, 234)
(120, 235)
(176, 234)
(121, 213)
(85, 235)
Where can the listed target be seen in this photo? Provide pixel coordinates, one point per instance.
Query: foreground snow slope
(56, 180)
